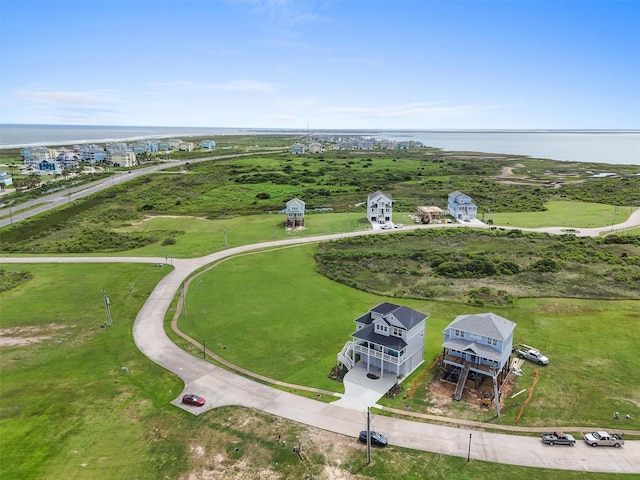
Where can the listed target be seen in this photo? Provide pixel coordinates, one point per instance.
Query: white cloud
(67, 98)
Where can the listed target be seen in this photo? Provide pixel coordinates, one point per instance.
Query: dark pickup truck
(558, 438)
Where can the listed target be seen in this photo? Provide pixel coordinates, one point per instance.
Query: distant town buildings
(319, 143)
(49, 161)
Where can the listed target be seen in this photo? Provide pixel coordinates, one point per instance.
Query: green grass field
(68, 412)
(276, 316)
(565, 214)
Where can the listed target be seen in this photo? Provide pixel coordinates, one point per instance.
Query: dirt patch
(225, 453)
(441, 394)
(15, 336)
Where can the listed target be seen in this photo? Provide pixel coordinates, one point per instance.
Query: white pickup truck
(530, 353)
(603, 438)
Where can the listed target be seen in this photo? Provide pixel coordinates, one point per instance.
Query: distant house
(69, 159)
(92, 153)
(379, 208)
(295, 213)
(461, 207)
(122, 158)
(315, 147)
(479, 343)
(297, 148)
(208, 144)
(32, 156)
(49, 167)
(6, 180)
(185, 146)
(389, 340)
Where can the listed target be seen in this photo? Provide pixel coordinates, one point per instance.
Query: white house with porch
(479, 343)
(389, 340)
(379, 208)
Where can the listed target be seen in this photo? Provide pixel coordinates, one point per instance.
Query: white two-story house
(461, 207)
(479, 343)
(379, 208)
(389, 340)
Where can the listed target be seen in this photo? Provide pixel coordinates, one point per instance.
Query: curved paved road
(222, 387)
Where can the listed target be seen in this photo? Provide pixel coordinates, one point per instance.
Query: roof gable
(378, 196)
(394, 315)
(484, 324)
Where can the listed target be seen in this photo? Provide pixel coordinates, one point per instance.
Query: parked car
(603, 438)
(192, 399)
(530, 353)
(386, 226)
(558, 438)
(398, 225)
(376, 438)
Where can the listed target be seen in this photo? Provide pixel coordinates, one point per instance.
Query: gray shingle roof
(462, 345)
(395, 315)
(484, 324)
(367, 333)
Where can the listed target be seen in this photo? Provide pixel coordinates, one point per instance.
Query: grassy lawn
(68, 411)
(278, 317)
(565, 214)
(202, 236)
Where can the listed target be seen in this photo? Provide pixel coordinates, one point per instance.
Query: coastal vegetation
(70, 410)
(483, 267)
(337, 181)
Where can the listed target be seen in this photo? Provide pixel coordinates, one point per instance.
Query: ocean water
(605, 146)
(613, 147)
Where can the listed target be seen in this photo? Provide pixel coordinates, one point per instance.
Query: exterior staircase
(462, 380)
(344, 358)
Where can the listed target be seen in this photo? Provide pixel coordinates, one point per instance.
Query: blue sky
(396, 64)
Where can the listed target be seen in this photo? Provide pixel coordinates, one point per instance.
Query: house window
(492, 341)
(382, 328)
(396, 332)
(459, 333)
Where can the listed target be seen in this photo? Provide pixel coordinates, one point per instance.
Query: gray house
(389, 340)
(295, 213)
(461, 207)
(479, 343)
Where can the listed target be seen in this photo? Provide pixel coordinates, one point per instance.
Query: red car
(192, 399)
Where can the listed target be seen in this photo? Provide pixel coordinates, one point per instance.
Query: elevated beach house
(389, 340)
(295, 213)
(480, 343)
(461, 207)
(379, 207)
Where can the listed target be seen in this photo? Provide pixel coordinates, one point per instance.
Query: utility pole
(107, 302)
(225, 235)
(469, 452)
(204, 349)
(184, 301)
(368, 437)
